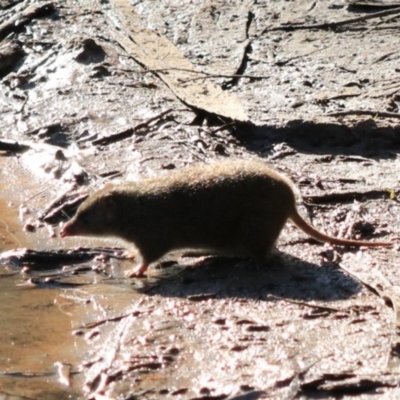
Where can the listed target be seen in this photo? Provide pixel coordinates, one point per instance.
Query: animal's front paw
(138, 271)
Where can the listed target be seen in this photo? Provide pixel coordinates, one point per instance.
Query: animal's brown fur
(235, 208)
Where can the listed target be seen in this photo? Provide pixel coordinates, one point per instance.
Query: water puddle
(36, 334)
(36, 324)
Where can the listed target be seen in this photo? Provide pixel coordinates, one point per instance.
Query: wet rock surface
(108, 91)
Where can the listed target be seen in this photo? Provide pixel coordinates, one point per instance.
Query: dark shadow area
(56, 134)
(281, 275)
(90, 52)
(365, 139)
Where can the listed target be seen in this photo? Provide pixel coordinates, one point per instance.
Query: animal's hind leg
(263, 246)
(258, 239)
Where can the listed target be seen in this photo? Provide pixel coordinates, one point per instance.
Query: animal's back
(236, 208)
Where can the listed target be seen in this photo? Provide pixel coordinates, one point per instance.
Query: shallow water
(36, 323)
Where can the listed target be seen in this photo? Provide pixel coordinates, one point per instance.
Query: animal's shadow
(364, 139)
(281, 275)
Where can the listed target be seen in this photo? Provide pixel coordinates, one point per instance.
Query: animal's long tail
(302, 224)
